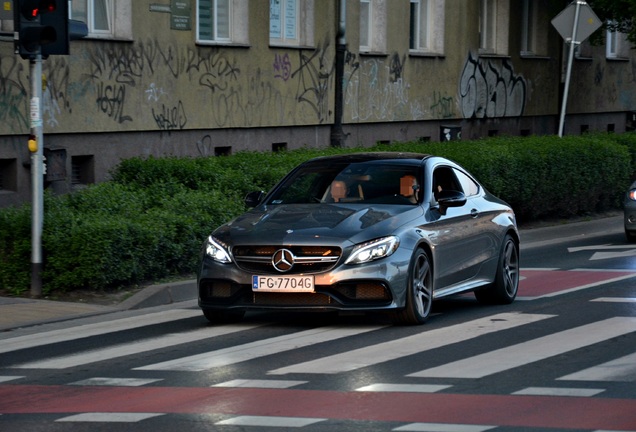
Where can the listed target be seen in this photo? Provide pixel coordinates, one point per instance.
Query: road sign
(587, 23)
(6, 9)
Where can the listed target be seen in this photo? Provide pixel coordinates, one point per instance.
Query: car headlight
(632, 194)
(373, 250)
(217, 250)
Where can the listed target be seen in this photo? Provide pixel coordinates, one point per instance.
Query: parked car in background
(363, 232)
(630, 213)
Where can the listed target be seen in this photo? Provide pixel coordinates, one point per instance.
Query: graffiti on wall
(14, 85)
(375, 89)
(490, 88)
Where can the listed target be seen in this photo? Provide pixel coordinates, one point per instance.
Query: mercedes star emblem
(283, 260)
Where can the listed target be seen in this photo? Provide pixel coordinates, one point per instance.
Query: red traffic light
(33, 9)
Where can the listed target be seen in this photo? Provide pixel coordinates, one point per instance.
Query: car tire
(631, 236)
(504, 288)
(216, 316)
(419, 293)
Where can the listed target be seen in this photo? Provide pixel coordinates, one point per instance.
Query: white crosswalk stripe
(427, 340)
(621, 369)
(531, 351)
(257, 349)
(97, 329)
(132, 348)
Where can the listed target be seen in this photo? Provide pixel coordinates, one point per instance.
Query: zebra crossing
(312, 363)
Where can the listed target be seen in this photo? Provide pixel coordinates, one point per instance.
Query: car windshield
(367, 182)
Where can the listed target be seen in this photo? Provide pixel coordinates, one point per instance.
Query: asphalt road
(562, 357)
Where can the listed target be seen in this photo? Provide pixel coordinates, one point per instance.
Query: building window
(534, 40)
(214, 20)
(493, 26)
(365, 25)
(616, 43)
(222, 21)
(8, 175)
(291, 22)
(426, 27)
(82, 170)
(105, 19)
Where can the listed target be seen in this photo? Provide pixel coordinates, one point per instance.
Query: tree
(616, 15)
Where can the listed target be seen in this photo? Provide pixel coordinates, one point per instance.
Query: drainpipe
(337, 134)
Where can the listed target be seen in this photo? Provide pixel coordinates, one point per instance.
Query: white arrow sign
(606, 255)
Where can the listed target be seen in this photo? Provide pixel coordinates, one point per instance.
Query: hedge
(150, 220)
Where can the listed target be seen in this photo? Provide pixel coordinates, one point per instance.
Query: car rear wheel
(504, 288)
(419, 296)
(216, 316)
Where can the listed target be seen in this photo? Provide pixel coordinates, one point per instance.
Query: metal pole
(337, 134)
(568, 73)
(37, 172)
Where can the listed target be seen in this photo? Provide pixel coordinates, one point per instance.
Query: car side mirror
(449, 198)
(253, 199)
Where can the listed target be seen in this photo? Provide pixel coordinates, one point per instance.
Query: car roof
(369, 156)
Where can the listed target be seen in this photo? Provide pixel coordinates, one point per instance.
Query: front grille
(307, 259)
(291, 299)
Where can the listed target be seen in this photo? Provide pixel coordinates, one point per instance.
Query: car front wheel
(419, 296)
(504, 288)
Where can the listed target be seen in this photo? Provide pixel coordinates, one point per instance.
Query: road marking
(250, 351)
(534, 350)
(109, 417)
(606, 255)
(409, 388)
(97, 329)
(615, 299)
(559, 391)
(443, 427)
(621, 370)
(132, 348)
(266, 421)
(9, 378)
(119, 382)
(421, 342)
(253, 383)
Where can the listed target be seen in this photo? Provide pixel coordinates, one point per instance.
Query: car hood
(315, 223)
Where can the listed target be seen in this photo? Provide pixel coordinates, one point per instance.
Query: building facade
(213, 77)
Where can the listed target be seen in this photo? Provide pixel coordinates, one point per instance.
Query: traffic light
(41, 25)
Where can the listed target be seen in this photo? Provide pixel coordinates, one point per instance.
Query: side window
(470, 188)
(291, 22)
(105, 19)
(444, 179)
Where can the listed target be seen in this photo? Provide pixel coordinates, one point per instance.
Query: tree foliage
(616, 15)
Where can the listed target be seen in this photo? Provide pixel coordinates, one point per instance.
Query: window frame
(493, 27)
(119, 13)
(366, 41)
(303, 24)
(426, 27)
(237, 25)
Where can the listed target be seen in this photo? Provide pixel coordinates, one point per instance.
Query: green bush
(149, 222)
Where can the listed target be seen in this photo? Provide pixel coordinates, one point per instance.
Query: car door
(456, 232)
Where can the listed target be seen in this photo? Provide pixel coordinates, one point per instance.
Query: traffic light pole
(37, 175)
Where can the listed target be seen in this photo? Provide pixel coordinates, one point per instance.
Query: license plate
(283, 283)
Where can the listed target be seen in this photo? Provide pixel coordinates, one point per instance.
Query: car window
(368, 182)
(470, 188)
(444, 179)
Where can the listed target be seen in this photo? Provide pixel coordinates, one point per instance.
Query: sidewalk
(24, 312)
